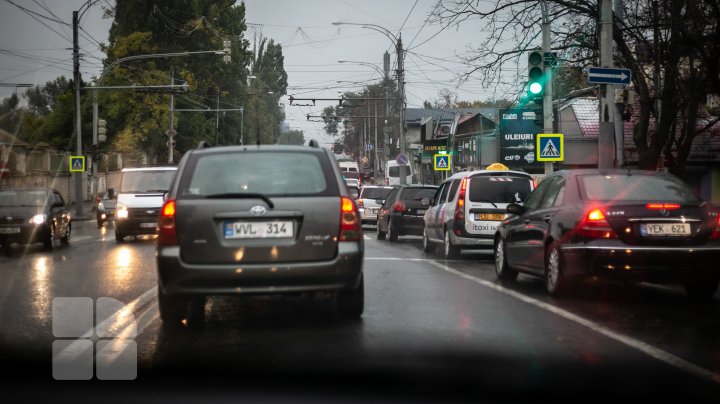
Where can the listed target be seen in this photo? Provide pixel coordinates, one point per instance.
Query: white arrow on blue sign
(604, 75)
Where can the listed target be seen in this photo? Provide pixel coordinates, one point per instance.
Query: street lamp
(382, 73)
(397, 40)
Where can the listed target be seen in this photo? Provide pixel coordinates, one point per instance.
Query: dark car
(237, 222)
(401, 214)
(33, 215)
(623, 224)
(105, 209)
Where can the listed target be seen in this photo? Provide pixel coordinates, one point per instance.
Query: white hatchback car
(368, 201)
(468, 207)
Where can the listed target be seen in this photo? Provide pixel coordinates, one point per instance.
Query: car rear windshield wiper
(242, 195)
(485, 200)
(156, 190)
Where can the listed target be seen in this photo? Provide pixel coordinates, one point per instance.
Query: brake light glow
(398, 206)
(460, 204)
(666, 206)
(350, 229)
(359, 203)
(716, 232)
(595, 225)
(167, 232)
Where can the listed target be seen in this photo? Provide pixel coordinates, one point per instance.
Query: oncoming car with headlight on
(33, 215)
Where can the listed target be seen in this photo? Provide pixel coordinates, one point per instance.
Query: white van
(349, 166)
(392, 173)
(139, 200)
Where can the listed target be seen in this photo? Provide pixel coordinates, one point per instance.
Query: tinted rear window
(375, 193)
(623, 187)
(417, 194)
(501, 189)
(351, 175)
(268, 173)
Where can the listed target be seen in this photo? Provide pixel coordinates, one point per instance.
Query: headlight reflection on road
(122, 265)
(41, 288)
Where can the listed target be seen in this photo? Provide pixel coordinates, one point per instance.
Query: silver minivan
(468, 207)
(368, 201)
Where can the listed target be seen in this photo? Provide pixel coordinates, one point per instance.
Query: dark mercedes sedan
(33, 215)
(623, 224)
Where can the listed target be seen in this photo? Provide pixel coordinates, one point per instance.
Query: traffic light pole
(547, 88)
(606, 136)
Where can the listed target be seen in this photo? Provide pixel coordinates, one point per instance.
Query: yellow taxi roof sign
(497, 167)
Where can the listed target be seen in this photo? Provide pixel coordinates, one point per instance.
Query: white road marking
(648, 349)
(81, 238)
(410, 259)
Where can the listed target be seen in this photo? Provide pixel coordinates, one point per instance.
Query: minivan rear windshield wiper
(485, 200)
(242, 195)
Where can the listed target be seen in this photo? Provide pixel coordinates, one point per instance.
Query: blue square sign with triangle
(441, 162)
(77, 164)
(550, 147)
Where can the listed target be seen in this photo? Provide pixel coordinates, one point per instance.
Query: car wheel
(450, 251)
(380, 233)
(173, 309)
(65, 240)
(119, 237)
(701, 290)
(48, 241)
(427, 245)
(351, 303)
(555, 280)
(392, 233)
(502, 269)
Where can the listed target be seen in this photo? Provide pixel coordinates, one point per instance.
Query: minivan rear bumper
(181, 278)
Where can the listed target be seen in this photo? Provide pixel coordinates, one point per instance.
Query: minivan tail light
(398, 206)
(716, 232)
(167, 232)
(350, 228)
(595, 225)
(460, 204)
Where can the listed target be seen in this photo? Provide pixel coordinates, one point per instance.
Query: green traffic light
(535, 88)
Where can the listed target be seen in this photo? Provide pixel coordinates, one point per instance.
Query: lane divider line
(648, 349)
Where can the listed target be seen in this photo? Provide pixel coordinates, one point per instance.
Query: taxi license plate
(665, 229)
(244, 230)
(9, 230)
(148, 225)
(489, 216)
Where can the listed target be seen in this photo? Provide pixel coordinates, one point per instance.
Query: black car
(33, 215)
(237, 222)
(629, 225)
(401, 213)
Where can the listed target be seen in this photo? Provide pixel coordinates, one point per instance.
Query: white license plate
(148, 225)
(665, 229)
(373, 211)
(9, 230)
(274, 229)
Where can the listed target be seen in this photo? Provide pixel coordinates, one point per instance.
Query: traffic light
(539, 114)
(536, 84)
(101, 130)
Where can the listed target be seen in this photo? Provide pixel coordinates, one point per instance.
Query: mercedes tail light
(716, 232)
(167, 232)
(595, 225)
(350, 227)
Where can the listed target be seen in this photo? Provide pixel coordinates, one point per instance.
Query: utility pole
(78, 121)
(619, 106)
(606, 137)
(217, 115)
(401, 88)
(171, 129)
(547, 88)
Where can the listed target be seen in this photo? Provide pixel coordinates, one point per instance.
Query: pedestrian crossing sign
(441, 162)
(77, 164)
(550, 147)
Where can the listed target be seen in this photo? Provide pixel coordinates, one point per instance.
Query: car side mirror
(425, 202)
(515, 209)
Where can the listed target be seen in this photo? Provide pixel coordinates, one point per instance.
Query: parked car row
(629, 225)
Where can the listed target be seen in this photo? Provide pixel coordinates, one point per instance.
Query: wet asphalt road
(432, 330)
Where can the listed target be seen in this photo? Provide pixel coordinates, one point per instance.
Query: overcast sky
(36, 50)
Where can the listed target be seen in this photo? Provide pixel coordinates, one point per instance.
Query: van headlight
(38, 219)
(121, 212)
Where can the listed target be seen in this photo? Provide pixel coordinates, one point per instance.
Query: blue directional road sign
(604, 75)
(77, 164)
(441, 162)
(550, 147)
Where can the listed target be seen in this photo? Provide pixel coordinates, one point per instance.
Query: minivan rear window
(635, 187)
(501, 189)
(267, 173)
(418, 194)
(375, 193)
